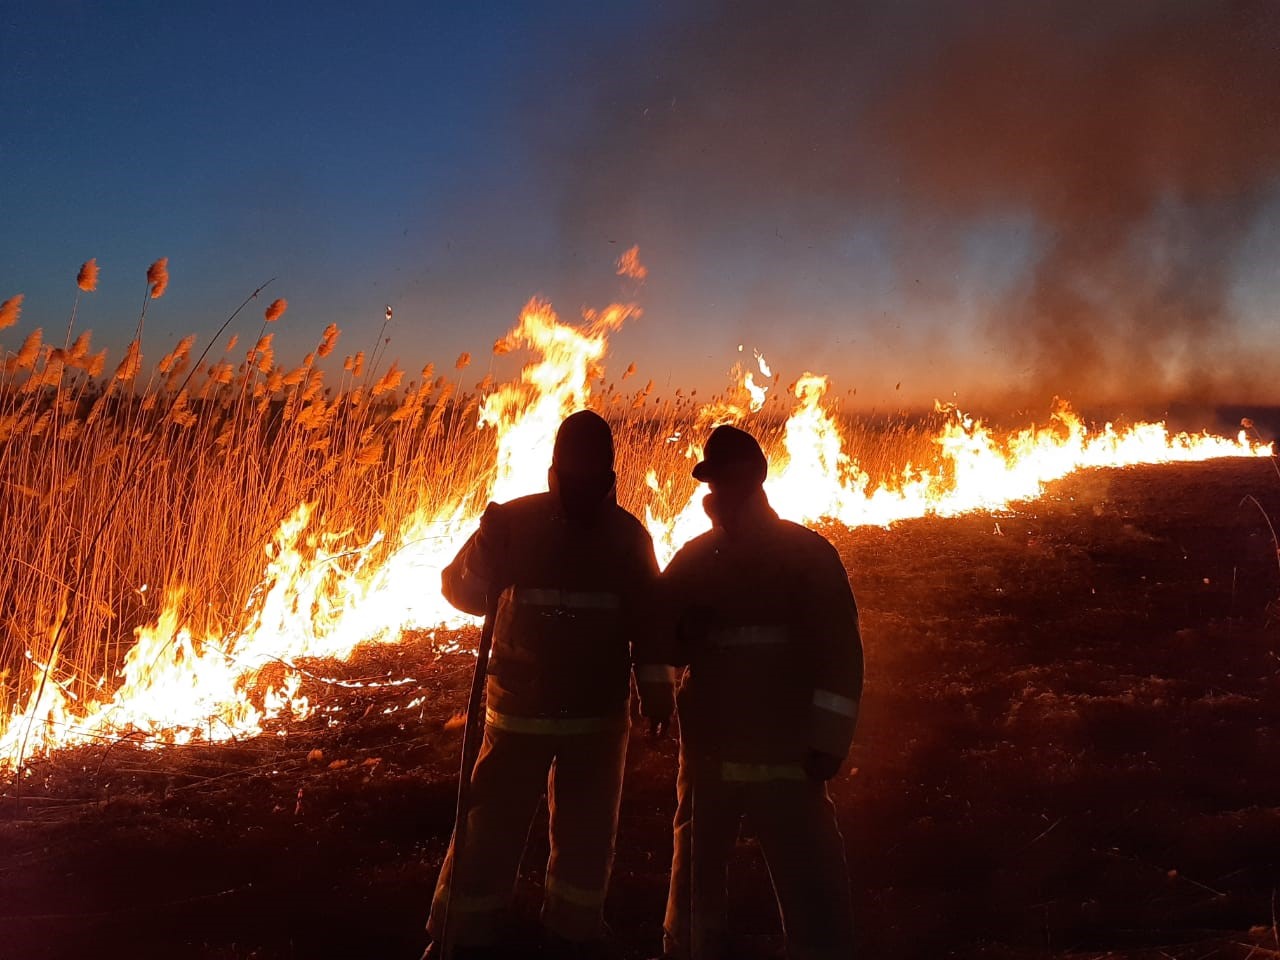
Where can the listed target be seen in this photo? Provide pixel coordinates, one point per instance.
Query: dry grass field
(1070, 747)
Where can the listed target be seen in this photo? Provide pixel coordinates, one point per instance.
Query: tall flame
(526, 414)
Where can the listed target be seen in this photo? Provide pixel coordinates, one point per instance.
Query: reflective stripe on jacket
(575, 605)
(766, 621)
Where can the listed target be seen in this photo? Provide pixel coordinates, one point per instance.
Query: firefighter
(573, 575)
(761, 612)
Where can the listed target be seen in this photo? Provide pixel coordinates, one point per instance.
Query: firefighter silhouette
(574, 577)
(761, 613)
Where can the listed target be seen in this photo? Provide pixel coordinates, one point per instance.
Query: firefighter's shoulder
(532, 505)
(500, 521)
(628, 523)
(625, 518)
(806, 544)
(695, 550)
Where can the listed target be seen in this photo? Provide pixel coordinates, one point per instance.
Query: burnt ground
(1070, 746)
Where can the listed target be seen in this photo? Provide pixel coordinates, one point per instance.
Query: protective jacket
(574, 612)
(766, 622)
(576, 598)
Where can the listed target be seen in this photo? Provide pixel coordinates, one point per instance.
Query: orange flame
(320, 594)
(814, 478)
(526, 414)
(177, 686)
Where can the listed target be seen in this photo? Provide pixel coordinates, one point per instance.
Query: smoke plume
(1140, 139)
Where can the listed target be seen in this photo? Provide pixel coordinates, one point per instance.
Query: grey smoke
(1141, 137)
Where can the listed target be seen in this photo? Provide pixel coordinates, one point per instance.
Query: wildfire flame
(320, 595)
(526, 415)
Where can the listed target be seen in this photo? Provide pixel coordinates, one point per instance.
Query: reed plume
(328, 340)
(180, 413)
(87, 278)
(370, 454)
(79, 351)
(170, 359)
(389, 381)
(275, 310)
(158, 277)
(129, 366)
(10, 310)
(296, 375)
(437, 413)
(50, 375)
(262, 355)
(25, 358)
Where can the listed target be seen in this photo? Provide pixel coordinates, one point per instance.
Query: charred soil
(1070, 745)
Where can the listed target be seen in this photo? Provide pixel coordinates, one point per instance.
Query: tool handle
(471, 740)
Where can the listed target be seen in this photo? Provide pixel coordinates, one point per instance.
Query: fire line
(320, 595)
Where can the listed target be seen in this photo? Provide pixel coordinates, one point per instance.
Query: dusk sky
(985, 200)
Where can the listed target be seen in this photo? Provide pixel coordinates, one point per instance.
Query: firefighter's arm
(467, 581)
(655, 677)
(683, 622)
(838, 663)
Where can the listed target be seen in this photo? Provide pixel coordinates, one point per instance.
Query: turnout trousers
(803, 849)
(579, 763)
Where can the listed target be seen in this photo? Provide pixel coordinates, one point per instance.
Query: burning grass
(181, 536)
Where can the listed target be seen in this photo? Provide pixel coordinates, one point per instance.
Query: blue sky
(453, 160)
(362, 155)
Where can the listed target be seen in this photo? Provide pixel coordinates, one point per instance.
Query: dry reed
(87, 278)
(158, 277)
(10, 311)
(118, 491)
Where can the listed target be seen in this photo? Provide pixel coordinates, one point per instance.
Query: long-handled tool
(471, 739)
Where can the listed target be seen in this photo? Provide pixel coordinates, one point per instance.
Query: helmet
(584, 445)
(732, 456)
(581, 473)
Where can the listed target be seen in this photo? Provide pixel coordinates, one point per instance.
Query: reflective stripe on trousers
(582, 774)
(552, 726)
(573, 912)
